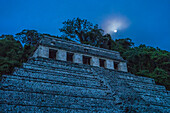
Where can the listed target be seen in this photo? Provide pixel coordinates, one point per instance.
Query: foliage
(122, 45)
(76, 29)
(150, 62)
(30, 37)
(12, 54)
(82, 31)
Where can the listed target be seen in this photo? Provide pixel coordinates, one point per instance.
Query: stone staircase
(46, 85)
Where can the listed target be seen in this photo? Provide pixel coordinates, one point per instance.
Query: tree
(78, 29)
(150, 62)
(94, 37)
(122, 45)
(85, 32)
(10, 55)
(28, 37)
(107, 42)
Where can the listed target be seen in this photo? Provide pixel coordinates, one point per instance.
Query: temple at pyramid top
(59, 49)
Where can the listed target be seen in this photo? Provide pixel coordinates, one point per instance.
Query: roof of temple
(80, 48)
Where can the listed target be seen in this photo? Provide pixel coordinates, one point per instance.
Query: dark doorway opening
(70, 57)
(52, 53)
(102, 62)
(116, 65)
(86, 60)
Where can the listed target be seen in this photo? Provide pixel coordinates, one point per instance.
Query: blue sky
(149, 19)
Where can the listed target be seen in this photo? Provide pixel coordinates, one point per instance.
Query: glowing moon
(115, 31)
(114, 23)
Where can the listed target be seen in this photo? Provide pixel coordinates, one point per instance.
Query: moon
(115, 31)
(115, 23)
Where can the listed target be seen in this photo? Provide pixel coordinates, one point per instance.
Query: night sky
(144, 21)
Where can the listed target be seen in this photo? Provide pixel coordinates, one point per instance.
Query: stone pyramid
(46, 85)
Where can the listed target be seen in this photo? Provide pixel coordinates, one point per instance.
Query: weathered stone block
(77, 58)
(95, 61)
(122, 67)
(61, 55)
(109, 64)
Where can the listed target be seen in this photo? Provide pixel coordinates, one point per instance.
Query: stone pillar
(122, 66)
(109, 64)
(78, 58)
(61, 55)
(42, 51)
(95, 61)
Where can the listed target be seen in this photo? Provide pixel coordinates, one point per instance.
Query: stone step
(50, 100)
(53, 88)
(7, 108)
(46, 68)
(58, 80)
(148, 90)
(122, 75)
(128, 76)
(149, 108)
(138, 87)
(156, 99)
(152, 87)
(160, 108)
(60, 64)
(44, 73)
(156, 95)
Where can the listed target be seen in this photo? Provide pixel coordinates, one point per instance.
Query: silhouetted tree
(29, 37)
(80, 30)
(12, 54)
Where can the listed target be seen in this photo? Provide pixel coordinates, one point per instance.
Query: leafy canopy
(30, 37)
(12, 54)
(80, 30)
